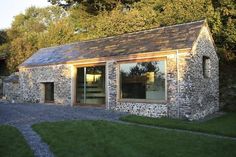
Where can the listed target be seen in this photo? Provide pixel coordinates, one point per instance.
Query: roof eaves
(102, 59)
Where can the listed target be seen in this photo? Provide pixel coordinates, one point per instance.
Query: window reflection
(91, 85)
(143, 80)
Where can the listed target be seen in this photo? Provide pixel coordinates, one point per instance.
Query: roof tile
(158, 39)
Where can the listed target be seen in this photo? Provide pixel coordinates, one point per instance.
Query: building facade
(170, 71)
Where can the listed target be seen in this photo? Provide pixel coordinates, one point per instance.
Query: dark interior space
(49, 92)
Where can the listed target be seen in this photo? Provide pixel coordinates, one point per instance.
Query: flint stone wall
(167, 108)
(189, 94)
(11, 88)
(33, 79)
(12, 92)
(203, 95)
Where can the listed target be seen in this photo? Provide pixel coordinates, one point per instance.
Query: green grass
(12, 143)
(107, 139)
(224, 125)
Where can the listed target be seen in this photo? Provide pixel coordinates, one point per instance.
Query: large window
(143, 80)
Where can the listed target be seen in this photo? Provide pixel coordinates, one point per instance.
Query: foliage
(106, 139)
(89, 19)
(4, 46)
(94, 6)
(3, 37)
(60, 32)
(24, 37)
(21, 48)
(117, 22)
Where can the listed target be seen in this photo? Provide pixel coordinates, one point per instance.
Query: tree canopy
(74, 20)
(94, 6)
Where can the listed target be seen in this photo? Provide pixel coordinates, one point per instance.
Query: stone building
(170, 71)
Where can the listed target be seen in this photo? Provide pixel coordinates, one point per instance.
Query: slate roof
(158, 39)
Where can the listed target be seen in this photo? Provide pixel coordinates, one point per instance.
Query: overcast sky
(11, 8)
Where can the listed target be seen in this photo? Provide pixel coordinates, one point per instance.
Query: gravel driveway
(23, 116)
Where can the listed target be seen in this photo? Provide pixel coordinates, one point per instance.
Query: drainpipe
(177, 66)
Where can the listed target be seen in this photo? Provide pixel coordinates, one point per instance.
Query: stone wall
(204, 92)
(11, 88)
(189, 94)
(144, 109)
(32, 80)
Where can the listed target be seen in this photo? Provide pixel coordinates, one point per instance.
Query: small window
(143, 80)
(206, 65)
(49, 92)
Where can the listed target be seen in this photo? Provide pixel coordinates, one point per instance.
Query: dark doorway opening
(49, 92)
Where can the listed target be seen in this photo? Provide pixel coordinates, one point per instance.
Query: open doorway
(49, 92)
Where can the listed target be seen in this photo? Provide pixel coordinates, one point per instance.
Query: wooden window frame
(86, 66)
(140, 100)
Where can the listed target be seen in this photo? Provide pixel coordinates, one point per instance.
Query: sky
(11, 8)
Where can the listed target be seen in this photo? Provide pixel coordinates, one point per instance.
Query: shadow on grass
(224, 125)
(106, 139)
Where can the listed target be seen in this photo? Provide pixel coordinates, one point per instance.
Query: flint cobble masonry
(188, 52)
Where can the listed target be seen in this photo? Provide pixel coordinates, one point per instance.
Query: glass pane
(91, 85)
(143, 80)
(80, 85)
(95, 85)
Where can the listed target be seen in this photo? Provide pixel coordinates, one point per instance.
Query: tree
(89, 19)
(58, 33)
(4, 46)
(24, 34)
(112, 23)
(94, 6)
(3, 37)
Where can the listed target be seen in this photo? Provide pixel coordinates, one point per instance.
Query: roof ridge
(110, 37)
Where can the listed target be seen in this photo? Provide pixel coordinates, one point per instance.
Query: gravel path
(23, 116)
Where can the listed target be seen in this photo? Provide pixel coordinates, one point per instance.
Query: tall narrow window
(206, 65)
(143, 80)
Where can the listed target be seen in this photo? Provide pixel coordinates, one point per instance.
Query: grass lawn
(107, 139)
(224, 125)
(12, 143)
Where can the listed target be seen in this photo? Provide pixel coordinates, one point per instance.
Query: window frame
(87, 65)
(131, 100)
